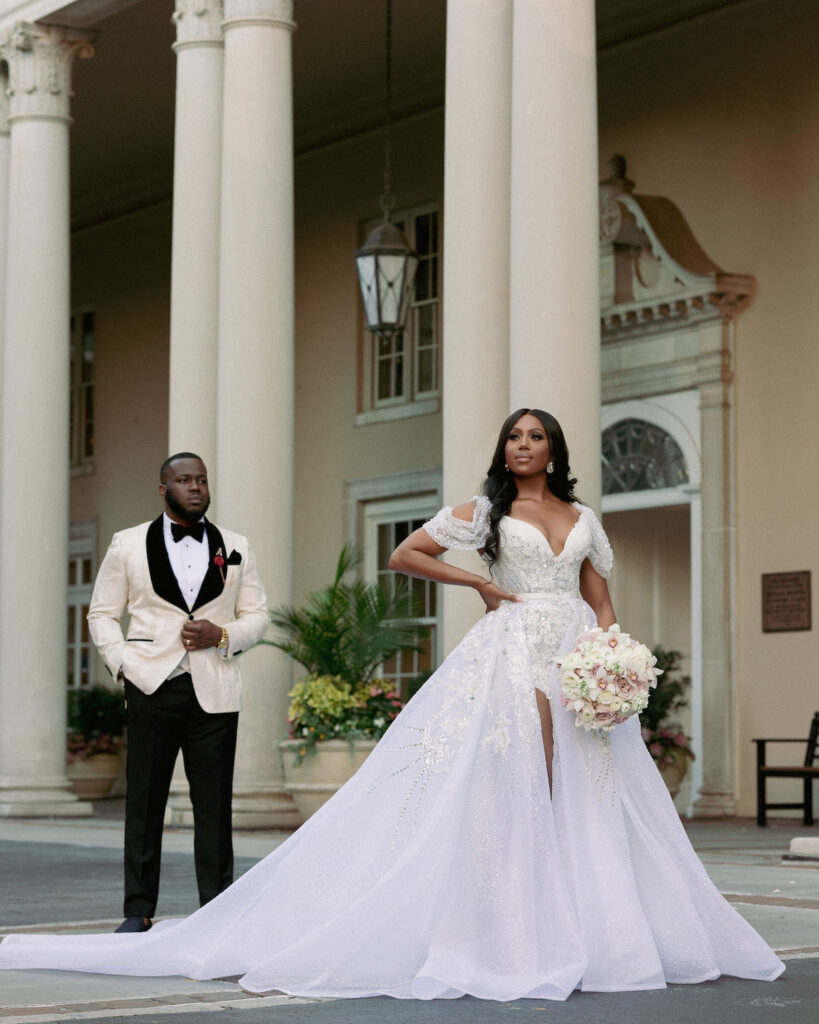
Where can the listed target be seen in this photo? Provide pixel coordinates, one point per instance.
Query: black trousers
(159, 726)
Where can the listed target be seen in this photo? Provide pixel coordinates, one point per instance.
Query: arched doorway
(651, 512)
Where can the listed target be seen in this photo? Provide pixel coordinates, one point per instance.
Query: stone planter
(322, 772)
(674, 773)
(92, 778)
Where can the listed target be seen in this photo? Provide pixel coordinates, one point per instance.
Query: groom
(195, 600)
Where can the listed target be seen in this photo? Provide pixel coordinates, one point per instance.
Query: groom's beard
(183, 513)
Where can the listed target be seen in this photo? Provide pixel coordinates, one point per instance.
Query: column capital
(270, 12)
(39, 59)
(198, 23)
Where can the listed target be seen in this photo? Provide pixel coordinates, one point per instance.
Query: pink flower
(656, 749)
(604, 717)
(626, 688)
(681, 740)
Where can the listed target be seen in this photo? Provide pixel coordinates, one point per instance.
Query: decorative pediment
(654, 275)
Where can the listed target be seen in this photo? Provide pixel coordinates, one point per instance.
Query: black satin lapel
(159, 566)
(213, 584)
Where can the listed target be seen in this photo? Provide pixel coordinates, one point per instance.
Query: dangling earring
(550, 466)
(506, 467)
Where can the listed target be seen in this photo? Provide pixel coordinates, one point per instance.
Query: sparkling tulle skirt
(445, 866)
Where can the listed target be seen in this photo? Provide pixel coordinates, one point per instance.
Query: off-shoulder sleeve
(451, 532)
(600, 555)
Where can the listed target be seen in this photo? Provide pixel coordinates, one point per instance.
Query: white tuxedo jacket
(136, 576)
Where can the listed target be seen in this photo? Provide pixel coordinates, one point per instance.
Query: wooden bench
(807, 772)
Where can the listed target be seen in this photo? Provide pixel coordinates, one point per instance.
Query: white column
(4, 209)
(255, 408)
(196, 209)
(476, 260)
(555, 339)
(717, 797)
(34, 482)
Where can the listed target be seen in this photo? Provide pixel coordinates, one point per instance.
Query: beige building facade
(177, 267)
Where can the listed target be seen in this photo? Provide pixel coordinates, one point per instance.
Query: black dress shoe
(135, 924)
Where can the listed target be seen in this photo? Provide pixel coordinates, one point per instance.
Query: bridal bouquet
(606, 678)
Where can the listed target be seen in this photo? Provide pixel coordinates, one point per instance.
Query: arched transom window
(639, 456)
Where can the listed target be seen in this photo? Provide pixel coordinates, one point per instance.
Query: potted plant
(665, 739)
(341, 635)
(96, 725)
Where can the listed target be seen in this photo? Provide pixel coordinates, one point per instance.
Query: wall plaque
(785, 601)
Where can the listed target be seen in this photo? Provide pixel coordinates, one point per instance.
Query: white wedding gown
(445, 866)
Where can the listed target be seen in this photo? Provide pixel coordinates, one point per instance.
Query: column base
(256, 807)
(804, 848)
(714, 805)
(264, 807)
(48, 802)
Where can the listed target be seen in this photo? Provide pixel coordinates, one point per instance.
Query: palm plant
(350, 628)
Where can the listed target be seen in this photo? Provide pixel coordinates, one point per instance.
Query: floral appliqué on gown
(446, 866)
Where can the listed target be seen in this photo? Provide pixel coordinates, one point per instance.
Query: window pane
(72, 572)
(426, 377)
(384, 547)
(86, 570)
(399, 376)
(72, 622)
(422, 281)
(88, 425)
(87, 369)
(385, 378)
(422, 234)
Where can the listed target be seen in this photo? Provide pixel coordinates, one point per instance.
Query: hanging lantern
(386, 271)
(386, 263)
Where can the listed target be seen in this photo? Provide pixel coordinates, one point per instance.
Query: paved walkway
(66, 876)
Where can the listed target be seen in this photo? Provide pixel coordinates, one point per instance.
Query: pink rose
(604, 717)
(626, 688)
(656, 749)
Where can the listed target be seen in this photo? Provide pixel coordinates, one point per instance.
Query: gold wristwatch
(224, 640)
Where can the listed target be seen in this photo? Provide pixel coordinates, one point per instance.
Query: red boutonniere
(219, 561)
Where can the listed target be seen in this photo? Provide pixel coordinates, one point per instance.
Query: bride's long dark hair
(500, 486)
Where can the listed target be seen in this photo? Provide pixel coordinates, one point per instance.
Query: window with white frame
(80, 584)
(402, 373)
(83, 378)
(386, 524)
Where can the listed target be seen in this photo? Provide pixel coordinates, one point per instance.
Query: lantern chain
(387, 198)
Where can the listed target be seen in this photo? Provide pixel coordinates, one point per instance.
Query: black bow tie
(197, 531)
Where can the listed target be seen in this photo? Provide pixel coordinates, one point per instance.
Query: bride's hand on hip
(493, 595)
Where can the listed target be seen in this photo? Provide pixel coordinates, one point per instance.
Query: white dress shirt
(189, 560)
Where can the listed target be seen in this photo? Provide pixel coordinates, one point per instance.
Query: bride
(487, 846)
